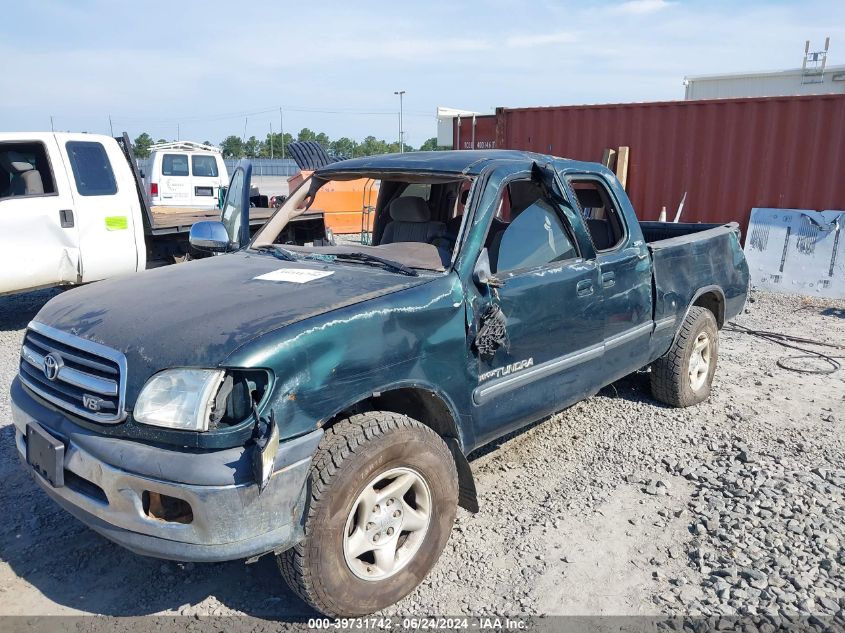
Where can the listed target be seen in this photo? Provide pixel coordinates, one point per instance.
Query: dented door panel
(105, 218)
(42, 252)
(552, 314)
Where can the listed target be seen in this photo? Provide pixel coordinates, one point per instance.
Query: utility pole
(111, 129)
(282, 131)
(401, 132)
(52, 129)
(243, 138)
(271, 140)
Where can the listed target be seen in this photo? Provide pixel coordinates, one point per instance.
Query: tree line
(271, 146)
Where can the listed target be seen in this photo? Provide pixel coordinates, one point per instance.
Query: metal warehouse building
(814, 77)
(767, 84)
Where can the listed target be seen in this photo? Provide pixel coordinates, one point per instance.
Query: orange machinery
(347, 205)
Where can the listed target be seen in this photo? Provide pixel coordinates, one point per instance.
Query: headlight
(179, 398)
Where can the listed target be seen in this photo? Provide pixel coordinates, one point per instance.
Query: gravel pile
(769, 534)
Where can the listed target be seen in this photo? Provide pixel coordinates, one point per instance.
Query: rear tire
(683, 376)
(384, 494)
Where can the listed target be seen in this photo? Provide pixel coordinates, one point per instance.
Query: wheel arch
(430, 406)
(712, 298)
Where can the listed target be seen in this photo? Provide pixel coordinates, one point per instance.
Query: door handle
(584, 288)
(608, 280)
(66, 218)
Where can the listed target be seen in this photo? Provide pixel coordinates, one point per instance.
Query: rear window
(204, 166)
(174, 165)
(91, 168)
(417, 190)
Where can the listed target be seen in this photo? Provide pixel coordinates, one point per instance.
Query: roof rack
(189, 146)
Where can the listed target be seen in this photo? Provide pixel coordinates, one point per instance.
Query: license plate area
(204, 191)
(45, 454)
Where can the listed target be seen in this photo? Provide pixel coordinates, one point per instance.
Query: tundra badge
(500, 372)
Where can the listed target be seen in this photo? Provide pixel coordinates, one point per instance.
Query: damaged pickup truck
(316, 403)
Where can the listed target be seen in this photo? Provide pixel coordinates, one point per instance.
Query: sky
(204, 70)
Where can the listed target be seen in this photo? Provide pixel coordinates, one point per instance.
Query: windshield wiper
(278, 252)
(374, 259)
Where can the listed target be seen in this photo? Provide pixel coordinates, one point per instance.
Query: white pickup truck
(73, 210)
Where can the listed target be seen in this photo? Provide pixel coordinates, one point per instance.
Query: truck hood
(196, 314)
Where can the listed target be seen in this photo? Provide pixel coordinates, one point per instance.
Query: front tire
(384, 494)
(683, 376)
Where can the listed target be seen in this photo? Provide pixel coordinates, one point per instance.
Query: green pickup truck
(317, 402)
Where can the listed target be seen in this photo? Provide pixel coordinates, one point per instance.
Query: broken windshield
(400, 222)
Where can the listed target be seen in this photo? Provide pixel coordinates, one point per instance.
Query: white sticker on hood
(295, 275)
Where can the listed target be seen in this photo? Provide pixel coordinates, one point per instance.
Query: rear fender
(719, 313)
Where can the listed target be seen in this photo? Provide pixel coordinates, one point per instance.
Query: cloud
(640, 7)
(532, 40)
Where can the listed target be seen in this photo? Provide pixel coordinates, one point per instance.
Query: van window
(25, 170)
(174, 165)
(91, 168)
(204, 166)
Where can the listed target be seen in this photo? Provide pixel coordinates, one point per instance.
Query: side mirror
(209, 236)
(482, 275)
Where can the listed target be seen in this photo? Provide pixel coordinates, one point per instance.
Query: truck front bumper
(108, 484)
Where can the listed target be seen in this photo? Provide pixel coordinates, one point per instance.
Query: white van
(186, 174)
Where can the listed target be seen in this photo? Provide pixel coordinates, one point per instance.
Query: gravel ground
(617, 506)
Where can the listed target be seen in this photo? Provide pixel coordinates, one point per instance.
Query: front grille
(85, 378)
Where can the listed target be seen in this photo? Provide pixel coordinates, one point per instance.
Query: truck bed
(661, 231)
(179, 219)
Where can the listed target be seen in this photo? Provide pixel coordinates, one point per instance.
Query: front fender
(414, 337)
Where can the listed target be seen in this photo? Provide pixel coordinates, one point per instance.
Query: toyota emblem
(52, 365)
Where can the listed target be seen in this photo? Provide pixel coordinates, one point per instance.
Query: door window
(536, 234)
(204, 166)
(91, 168)
(174, 165)
(604, 222)
(25, 170)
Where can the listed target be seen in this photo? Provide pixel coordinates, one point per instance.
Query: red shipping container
(728, 155)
